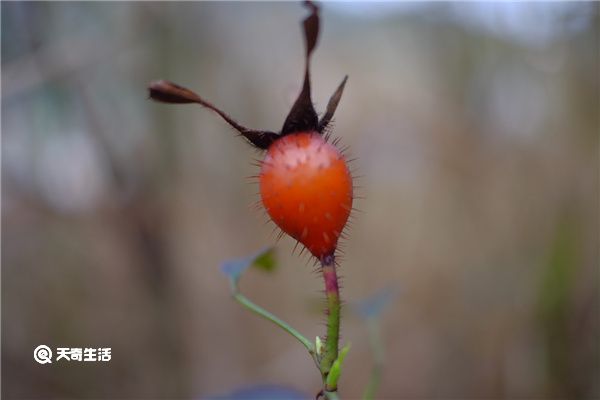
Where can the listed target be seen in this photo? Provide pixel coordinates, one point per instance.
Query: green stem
(373, 384)
(333, 319)
(244, 301)
(378, 356)
(331, 395)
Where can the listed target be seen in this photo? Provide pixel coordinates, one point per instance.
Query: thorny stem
(325, 357)
(333, 318)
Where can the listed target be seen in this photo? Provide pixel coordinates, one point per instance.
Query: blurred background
(475, 127)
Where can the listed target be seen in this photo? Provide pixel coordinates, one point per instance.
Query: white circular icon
(42, 354)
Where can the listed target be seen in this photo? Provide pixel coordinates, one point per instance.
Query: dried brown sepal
(302, 116)
(172, 93)
(169, 92)
(332, 106)
(311, 28)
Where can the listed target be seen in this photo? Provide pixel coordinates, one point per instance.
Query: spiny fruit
(305, 184)
(306, 188)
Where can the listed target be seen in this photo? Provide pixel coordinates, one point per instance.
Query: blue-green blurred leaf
(264, 260)
(374, 306)
(263, 392)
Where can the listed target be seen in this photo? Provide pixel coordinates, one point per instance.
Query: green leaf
(266, 260)
(336, 368)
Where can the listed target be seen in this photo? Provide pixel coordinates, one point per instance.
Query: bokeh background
(475, 127)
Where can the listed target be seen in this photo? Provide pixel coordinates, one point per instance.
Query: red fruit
(306, 188)
(305, 184)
